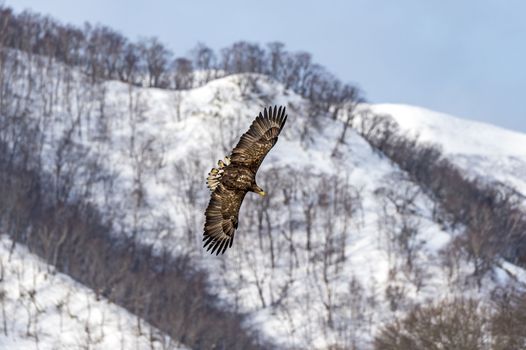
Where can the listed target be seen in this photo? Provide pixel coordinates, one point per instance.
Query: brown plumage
(236, 175)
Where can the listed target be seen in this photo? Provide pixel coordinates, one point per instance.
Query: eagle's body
(236, 176)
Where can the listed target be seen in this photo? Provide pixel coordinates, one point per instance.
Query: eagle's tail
(214, 176)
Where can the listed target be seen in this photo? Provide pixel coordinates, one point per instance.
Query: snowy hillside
(308, 278)
(43, 309)
(480, 149)
(344, 242)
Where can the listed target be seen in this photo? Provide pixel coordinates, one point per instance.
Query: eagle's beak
(262, 193)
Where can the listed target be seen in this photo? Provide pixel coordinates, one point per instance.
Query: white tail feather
(214, 176)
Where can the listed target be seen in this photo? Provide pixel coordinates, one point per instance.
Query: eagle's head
(255, 188)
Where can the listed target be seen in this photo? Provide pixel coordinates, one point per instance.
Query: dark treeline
(495, 225)
(103, 53)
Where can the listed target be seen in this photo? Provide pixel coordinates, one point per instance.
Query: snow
(245, 276)
(480, 149)
(340, 291)
(43, 309)
(210, 121)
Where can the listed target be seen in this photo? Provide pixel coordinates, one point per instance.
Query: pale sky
(463, 57)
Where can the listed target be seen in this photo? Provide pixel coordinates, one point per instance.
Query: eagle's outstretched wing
(222, 218)
(262, 135)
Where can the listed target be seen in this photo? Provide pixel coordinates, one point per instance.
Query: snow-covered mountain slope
(309, 278)
(340, 246)
(480, 149)
(43, 309)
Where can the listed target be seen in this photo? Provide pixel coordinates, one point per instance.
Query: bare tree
(156, 58)
(204, 59)
(460, 324)
(183, 73)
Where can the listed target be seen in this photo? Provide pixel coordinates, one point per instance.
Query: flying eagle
(236, 175)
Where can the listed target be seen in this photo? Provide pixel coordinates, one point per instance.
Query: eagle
(236, 175)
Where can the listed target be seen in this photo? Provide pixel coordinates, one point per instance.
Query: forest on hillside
(57, 195)
(104, 54)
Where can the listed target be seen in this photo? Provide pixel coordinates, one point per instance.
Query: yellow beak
(262, 193)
